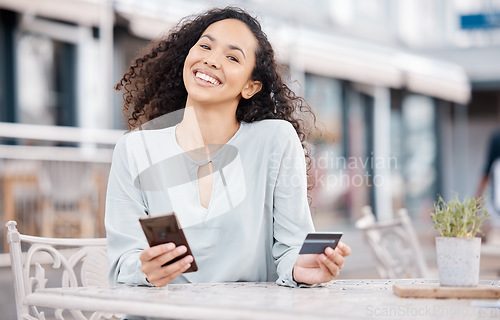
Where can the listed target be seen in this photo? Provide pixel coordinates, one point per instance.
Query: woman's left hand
(320, 268)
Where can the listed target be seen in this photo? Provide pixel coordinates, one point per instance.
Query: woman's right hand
(153, 258)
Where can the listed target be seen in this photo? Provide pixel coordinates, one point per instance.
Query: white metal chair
(67, 256)
(394, 245)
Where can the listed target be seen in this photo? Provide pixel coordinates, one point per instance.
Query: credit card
(316, 243)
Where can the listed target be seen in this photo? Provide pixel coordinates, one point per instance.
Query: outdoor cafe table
(341, 299)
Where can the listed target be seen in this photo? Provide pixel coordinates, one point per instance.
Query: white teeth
(207, 78)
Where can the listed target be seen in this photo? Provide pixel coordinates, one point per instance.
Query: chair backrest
(75, 262)
(394, 245)
(495, 173)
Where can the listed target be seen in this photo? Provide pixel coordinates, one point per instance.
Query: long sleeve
(292, 218)
(124, 206)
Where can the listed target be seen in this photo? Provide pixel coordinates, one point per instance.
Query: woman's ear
(251, 88)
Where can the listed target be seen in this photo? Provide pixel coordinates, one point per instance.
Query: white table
(341, 299)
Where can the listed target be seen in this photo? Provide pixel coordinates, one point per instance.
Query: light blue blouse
(258, 214)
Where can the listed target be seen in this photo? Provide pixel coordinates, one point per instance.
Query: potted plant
(458, 249)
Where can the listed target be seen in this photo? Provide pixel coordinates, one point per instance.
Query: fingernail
(188, 259)
(329, 250)
(169, 246)
(181, 249)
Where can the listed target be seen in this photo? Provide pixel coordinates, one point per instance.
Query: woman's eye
(232, 58)
(204, 46)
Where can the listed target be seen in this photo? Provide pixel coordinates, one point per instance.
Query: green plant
(459, 219)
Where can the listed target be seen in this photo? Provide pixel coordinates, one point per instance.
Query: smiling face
(218, 68)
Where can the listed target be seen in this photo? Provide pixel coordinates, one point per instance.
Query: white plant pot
(458, 261)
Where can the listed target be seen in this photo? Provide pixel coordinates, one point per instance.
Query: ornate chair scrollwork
(394, 245)
(69, 262)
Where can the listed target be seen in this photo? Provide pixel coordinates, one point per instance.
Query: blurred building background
(407, 94)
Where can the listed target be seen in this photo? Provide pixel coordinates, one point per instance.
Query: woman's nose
(212, 61)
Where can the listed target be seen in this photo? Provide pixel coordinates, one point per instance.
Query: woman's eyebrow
(230, 46)
(234, 47)
(208, 36)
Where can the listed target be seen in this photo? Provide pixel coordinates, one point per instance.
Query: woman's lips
(207, 77)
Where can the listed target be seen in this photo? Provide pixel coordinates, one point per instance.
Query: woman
(233, 169)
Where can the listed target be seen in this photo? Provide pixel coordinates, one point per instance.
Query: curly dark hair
(154, 86)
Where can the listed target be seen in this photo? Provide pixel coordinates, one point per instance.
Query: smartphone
(164, 228)
(316, 243)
